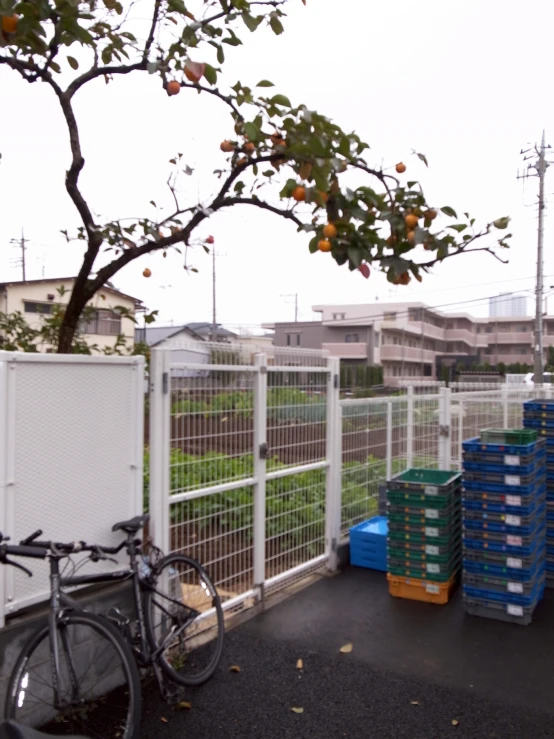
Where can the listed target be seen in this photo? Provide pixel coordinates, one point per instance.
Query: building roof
(154, 335)
(53, 280)
(204, 328)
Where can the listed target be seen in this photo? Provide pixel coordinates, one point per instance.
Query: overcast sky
(467, 82)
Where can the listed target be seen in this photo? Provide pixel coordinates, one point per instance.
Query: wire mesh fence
(221, 407)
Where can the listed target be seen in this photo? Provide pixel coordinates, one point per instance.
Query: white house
(35, 299)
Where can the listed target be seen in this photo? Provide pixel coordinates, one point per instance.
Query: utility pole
(22, 245)
(540, 166)
(213, 332)
(295, 296)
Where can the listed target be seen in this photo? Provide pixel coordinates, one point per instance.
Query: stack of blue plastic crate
(539, 415)
(504, 524)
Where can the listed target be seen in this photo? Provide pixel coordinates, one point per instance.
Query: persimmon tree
(279, 156)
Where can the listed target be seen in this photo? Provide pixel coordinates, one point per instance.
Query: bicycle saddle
(132, 525)
(11, 730)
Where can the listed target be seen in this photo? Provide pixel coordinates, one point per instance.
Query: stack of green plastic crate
(425, 530)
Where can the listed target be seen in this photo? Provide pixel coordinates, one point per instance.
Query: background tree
(283, 158)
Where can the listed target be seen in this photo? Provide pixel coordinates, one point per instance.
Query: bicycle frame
(143, 654)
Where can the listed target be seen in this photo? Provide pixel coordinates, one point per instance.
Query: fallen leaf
(234, 668)
(346, 649)
(414, 703)
(294, 709)
(163, 718)
(455, 722)
(184, 704)
(299, 665)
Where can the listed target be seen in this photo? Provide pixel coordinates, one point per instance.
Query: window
(376, 339)
(389, 316)
(523, 329)
(488, 329)
(293, 339)
(352, 338)
(45, 308)
(339, 316)
(102, 322)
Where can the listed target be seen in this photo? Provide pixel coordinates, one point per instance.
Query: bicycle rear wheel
(98, 685)
(184, 620)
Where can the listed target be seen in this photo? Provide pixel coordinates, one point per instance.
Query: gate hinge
(165, 383)
(336, 381)
(333, 545)
(444, 430)
(264, 451)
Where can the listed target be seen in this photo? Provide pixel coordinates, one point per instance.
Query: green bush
(283, 404)
(295, 504)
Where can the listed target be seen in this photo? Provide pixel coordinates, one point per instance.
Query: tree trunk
(69, 324)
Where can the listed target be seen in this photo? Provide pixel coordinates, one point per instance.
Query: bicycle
(179, 627)
(76, 674)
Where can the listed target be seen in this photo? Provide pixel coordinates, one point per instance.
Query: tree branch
(106, 273)
(150, 39)
(463, 250)
(94, 72)
(213, 91)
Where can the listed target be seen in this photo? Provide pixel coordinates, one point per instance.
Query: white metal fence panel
(381, 437)
(240, 463)
(71, 441)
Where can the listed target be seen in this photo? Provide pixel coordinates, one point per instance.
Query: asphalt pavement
(415, 670)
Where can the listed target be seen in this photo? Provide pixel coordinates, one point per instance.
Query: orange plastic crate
(423, 590)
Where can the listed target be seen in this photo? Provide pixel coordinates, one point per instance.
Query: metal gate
(244, 465)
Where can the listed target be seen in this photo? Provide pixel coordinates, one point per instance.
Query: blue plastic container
(368, 544)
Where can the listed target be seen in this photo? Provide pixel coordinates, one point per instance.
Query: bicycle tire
(19, 678)
(188, 680)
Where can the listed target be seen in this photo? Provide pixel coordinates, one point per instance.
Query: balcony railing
(393, 352)
(347, 351)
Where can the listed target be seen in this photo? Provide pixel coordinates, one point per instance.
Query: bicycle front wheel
(184, 620)
(98, 684)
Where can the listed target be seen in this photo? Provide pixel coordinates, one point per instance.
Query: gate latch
(444, 430)
(264, 451)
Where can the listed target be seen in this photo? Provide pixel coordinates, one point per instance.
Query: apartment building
(406, 338)
(508, 305)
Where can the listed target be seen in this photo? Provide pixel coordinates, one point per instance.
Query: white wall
(71, 455)
(17, 294)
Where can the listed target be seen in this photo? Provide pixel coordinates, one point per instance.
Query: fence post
(159, 440)
(333, 489)
(389, 440)
(444, 444)
(410, 430)
(461, 411)
(260, 463)
(504, 391)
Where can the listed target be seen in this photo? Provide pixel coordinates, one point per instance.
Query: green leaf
(252, 131)
(73, 63)
(501, 223)
(210, 74)
(276, 25)
(55, 66)
(265, 83)
(313, 245)
(107, 55)
(251, 22)
(220, 55)
(423, 158)
(448, 211)
(232, 41)
(459, 227)
(354, 255)
(281, 100)
(268, 173)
